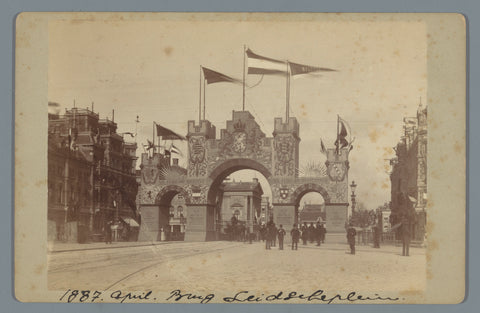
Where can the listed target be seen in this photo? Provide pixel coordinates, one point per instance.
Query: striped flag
(176, 150)
(261, 65)
(299, 69)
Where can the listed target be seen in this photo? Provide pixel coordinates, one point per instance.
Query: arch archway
(167, 193)
(228, 167)
(172, 224)
(251, 209)
(311, 187)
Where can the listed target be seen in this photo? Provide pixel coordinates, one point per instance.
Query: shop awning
(130, 221)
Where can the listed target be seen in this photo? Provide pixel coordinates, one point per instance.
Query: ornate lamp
(353, 187)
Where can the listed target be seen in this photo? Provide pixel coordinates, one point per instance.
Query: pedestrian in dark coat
(295, 233)
(280, 234)
(274, 235)
(304, 233)
(406, 232)
(323, 231)
(318, 234)
(351, 233)
(376, 236)
(108, 233)
(311, 233)
(270, 234)
(268, 240)
(263, 232)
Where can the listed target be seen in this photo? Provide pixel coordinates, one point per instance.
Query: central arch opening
(311, 214)
(241, 196)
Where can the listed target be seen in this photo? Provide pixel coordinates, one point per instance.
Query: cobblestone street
(229, 267)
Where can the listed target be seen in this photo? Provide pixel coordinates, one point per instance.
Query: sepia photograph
(241, 158)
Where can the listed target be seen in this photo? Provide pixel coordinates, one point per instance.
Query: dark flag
(322, 147)
(150, 145)
(168, 134)
(298, 69)
(342, 141)
(212, 77)
(261, 65)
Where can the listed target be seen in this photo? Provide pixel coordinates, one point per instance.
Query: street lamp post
(353, 186)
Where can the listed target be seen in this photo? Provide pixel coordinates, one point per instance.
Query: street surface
(232, 266)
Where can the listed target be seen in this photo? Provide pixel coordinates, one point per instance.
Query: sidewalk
(55, 247)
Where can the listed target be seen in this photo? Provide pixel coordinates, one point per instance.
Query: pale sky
(151, 69)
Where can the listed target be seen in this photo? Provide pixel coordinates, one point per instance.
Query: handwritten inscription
(98, 296)
(177, 295)
(318, 296)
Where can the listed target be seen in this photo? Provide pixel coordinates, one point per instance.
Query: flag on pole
(299, 69)
(150, 145)
(342, 141)
(322, 147)
(348, 130)
(410, 120)
(212, 77)
(176, 150)
(261, 65)
(168, 134)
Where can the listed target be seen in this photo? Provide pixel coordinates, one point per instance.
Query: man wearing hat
(280, 233)
(295, 233)
(351, 233)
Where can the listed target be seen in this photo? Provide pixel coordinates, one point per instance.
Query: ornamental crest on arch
(337, 171)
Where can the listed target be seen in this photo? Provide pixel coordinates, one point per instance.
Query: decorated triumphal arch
(242, 145)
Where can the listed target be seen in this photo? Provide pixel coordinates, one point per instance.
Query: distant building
(91, 178)
(409, 175)
(266, 210)
(242, 200)
(312, 213)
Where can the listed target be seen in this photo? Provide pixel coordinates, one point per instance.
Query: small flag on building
(322, 147)
(174, 149)
(342, 141)
(168, 134)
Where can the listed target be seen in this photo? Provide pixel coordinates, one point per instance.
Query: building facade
(266, 211)
(242, 200)
(312, 213)
(91, 177)
(409, 175)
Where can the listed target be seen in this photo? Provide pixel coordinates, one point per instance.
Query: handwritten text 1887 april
(318, 296)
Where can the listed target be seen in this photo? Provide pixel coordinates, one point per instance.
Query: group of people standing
(314, 234)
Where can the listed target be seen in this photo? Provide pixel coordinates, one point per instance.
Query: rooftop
(243, 186)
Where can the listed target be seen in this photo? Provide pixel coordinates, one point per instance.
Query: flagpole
(204, 98)
(336, 142)
(287, 95)
(153, 138)
(200, 97)
(136, 128)
(243, 103)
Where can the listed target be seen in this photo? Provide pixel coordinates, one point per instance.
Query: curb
(107, 247)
